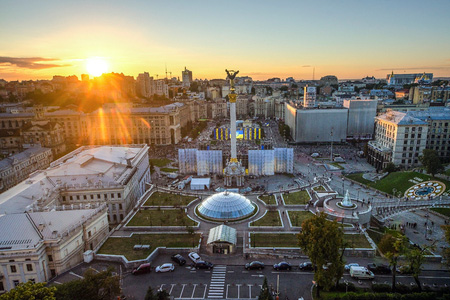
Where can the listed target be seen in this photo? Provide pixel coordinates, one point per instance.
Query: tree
(390, 167)
(30, 291)
(94, 286)
(446, 252)
(265, 293)
(416, 257)
(149, 295)
(392, 248)
(321, 240)
(162, 295)
(430, 160)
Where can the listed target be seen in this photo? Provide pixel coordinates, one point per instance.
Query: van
(360, 273)
(142, 269)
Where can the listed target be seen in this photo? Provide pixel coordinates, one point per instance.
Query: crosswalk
(217, 284)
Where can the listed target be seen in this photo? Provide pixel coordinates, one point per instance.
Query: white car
(315, 155)
(194, 256)
(347, 267)
(165, 268)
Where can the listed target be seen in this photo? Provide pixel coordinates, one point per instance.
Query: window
(53, 272)
(84, 197)
(50, 258)
(13, 269)
(71, 197)
(2, 288)
(78, 197)
(98, 196)
(92, 197)
(112, 195)
(32, 280)
(64, 198)
(29, 267)
(120, 205)
(89, 234)
(16, 283)
(119, 195)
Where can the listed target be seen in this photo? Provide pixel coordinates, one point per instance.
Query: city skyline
(349, 39)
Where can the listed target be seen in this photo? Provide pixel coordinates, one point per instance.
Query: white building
(38, 246)
(88, 176)
(361, 118)
(186, 76)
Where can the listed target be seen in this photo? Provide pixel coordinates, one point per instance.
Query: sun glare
(96, 66)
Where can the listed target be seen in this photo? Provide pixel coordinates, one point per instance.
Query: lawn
(159, 162)
(296, 198)
(297, 217)
(274, 240)
(271, 218)
(398, 180)
(173, 217)
(169, 170)
(166, 199)
(124, 245)
(337, 165)
(442, 210)
(270, 200)
(291, 240)
(319, 188)
(357, 241)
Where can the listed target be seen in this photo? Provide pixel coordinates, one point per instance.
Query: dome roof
(226, 206)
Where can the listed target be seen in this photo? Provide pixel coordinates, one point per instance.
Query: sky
(347, 38)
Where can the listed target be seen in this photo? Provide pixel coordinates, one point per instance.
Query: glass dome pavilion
(226, 206)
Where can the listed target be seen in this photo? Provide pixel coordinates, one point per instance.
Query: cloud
(422, 69)
(30, 62)
(306, 66)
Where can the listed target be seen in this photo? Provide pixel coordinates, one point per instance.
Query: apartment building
(400, 137)
(17, 167)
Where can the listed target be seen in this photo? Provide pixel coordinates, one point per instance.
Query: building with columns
(38, 246)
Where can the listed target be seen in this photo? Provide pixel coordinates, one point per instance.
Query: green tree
(416, 257)
(94, 286)
(321, 240)
(265, 293)
(390, 167)
(392, 248)
(30, 291)
(149, 295)
(430, 160)
(162, 295)
(446, 252)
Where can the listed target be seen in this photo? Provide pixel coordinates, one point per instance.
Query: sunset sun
(96, 66)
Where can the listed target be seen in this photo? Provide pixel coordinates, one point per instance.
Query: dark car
(142, 269)
(203, 265)
(306, 266)
(404, 270)
(254, 265)
(178, 259)
(379, 269)
(282, 266)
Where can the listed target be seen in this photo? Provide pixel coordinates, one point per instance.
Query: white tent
(200, 183)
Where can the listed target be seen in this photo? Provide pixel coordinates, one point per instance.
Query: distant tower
(84, 77)
(234, 168)
(186, 76)
(309, 97)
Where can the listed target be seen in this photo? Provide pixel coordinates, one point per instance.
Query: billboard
(239, 134)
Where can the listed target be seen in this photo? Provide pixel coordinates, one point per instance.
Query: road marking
(76, 275)
(161, 287)
(193, 291)
(250, 291)
(239, 290)
(173, 284)
(230, 271)
(217, 283)
(181, 294)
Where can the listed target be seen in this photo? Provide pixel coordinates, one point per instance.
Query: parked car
(142, 269)
(254, 265)
(404, 270)
(203, 265)
(168, 267)
(178, 259)
(379, 269)
(347, 267)
(282, 266)
(361, 273)
(194, 257)
(306, 266)
(315, 155)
